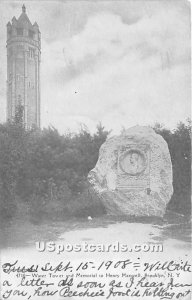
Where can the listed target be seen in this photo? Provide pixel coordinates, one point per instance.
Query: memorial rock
(133, 175)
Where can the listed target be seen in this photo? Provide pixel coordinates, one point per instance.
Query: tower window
(31, 52)
(10, 77)
(9, 32)
(10, 51)
(31, 34)
(19, 47)
(20, 31)
(19, 99)
(30, 85)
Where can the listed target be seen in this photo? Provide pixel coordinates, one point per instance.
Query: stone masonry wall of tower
(23, 69)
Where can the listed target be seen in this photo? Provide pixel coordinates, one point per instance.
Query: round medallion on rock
(133, 162)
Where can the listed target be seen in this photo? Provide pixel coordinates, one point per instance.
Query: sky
(121, 63)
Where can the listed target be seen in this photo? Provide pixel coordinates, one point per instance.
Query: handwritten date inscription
(104, 280)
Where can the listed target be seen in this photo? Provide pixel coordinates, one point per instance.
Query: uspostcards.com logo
(91, 247)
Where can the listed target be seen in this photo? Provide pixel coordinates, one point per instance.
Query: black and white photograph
(95, 150)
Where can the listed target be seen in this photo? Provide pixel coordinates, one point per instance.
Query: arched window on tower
(20, 31)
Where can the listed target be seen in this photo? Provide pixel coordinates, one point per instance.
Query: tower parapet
(23, 68)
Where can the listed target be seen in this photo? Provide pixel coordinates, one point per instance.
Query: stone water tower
(23, 69)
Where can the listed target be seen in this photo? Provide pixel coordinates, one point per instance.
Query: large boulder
(133, 175)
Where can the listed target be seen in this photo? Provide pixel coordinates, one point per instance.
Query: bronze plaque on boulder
(133, 167)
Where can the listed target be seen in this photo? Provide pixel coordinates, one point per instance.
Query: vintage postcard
(95, 150)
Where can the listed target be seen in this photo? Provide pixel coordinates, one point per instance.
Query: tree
(179, 143)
